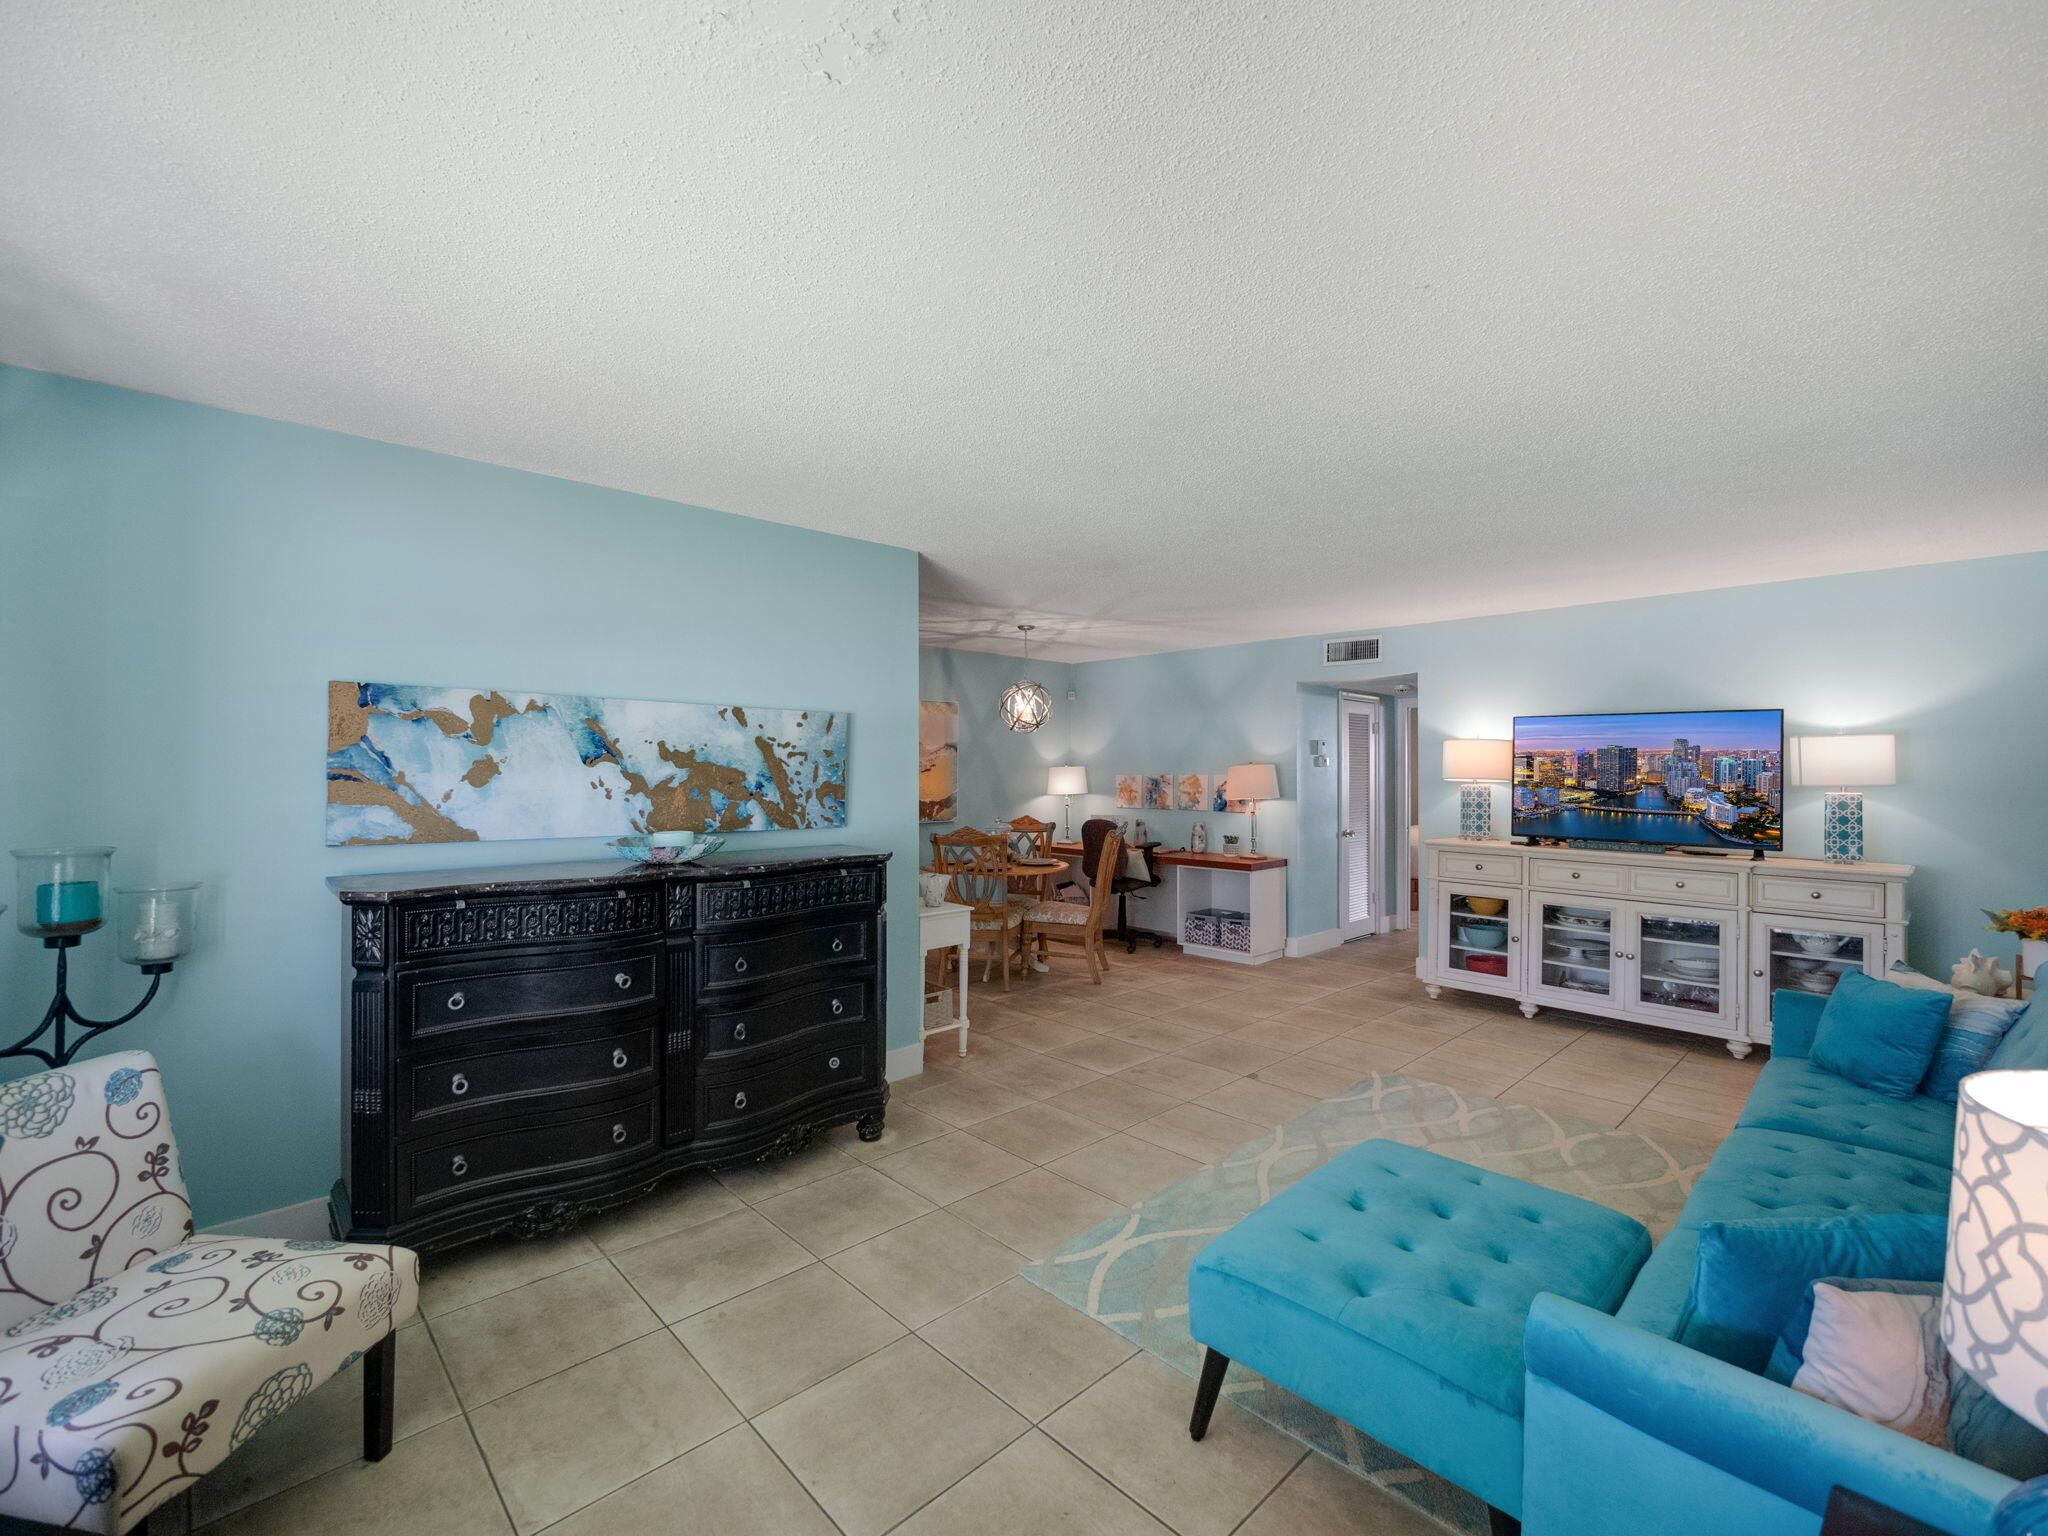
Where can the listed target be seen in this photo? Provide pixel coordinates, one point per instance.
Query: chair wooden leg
(380, 1396)
(1214, 1364)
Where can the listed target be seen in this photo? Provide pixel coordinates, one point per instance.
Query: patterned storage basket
(1234, 931)
(1201, 927)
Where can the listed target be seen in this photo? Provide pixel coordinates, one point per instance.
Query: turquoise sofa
(1627, 1431)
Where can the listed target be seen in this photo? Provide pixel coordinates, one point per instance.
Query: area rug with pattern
(1130, 1272)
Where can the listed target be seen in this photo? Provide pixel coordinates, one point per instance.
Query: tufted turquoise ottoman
(1390, 1288)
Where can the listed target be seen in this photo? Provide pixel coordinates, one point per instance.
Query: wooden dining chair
(1068, 922)
(979, 863)
(1031, 838)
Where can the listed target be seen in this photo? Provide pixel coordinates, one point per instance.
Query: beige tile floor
(839, 1342)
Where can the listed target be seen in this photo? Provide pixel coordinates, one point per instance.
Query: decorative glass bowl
(667, 847)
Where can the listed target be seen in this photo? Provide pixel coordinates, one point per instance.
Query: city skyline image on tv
(1686, 778)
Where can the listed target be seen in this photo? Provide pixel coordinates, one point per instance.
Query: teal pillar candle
(67, 901)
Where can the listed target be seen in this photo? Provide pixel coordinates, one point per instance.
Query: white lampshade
(1251, 781)
(1069, 779)
(1994, 1299)
(1847, 762)
(1477, 759)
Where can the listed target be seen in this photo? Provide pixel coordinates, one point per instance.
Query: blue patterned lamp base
(2024, 1511)
(1841, 837)
(1475, 813)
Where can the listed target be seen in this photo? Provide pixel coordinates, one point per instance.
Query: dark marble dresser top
(489, 880)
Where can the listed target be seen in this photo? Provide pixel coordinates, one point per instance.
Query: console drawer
(462, 1168)
(467, 1087)
(447, 999)
(1499, 868)
(724, 902)
(1712, 886)
(730, 1033)
(1838, 898)
(729, 1102)
(1566, 875)
(727, 963)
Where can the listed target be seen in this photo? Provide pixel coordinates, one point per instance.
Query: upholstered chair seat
(134, 1356)
(1057, 912)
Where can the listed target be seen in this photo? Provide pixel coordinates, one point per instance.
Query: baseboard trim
(1313, 943)
(306, 1220)
(904, 1061)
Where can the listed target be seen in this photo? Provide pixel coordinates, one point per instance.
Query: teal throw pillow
(1879, 1034)
(2025, 1046)
(1976, 1025)
(1750, 1276)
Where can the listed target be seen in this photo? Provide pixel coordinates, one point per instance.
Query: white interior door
(1359, 804)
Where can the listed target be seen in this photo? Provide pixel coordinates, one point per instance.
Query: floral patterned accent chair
(133, 1356)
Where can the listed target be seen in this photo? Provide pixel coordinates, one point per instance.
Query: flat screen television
(1703, 779)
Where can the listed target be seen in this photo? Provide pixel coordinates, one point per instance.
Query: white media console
(1683, 942)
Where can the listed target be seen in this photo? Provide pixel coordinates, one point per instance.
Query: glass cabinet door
(1575, 953)
(1478, 934)
(1682, 961)
(1800, 955)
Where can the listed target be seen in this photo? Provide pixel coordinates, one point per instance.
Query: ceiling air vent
(1338, 653)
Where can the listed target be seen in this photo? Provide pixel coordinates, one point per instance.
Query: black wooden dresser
(528, 1045)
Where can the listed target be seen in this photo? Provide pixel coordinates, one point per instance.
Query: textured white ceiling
(1154, 323)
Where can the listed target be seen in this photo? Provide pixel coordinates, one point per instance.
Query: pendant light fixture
(1026, 706)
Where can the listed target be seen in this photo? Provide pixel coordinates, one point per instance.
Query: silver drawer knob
(1816, 895)
(1479, 866)
(838, 945)
(739, 966)
(460, 1166)
(618, 1135)
(839, 1005)
(1681, 885)
(833, 1063)
(459, 1085)
(1575, 874)
(1756, 973)
(739, 1101)
(456, 999)
(620, 1058)
(739, 1031)
(623, 982)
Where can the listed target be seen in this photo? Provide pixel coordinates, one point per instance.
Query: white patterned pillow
(1879, 1355)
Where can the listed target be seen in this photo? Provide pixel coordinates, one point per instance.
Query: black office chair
(1121, 883)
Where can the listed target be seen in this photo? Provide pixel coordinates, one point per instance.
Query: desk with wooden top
(1193, 883)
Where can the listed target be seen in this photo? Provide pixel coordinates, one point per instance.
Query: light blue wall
(1002, 772)
(178, 584)
(1952, 658)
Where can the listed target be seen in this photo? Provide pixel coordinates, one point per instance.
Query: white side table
(948, 927)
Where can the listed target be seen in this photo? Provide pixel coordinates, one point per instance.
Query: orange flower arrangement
(2027, 922)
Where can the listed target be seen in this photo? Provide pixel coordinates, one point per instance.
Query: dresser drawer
(721, 903)
(726, 963)
(729, 1101)
(1838, 898)
(472, 1086)
(1568, 875)
(1712, 886)
(1500, 868)
(459, 1169)
(731, 1033)
(447, 1000)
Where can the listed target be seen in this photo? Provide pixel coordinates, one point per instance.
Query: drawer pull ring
(739, 1031)
(623, 982)
(838, 945)
(833, 1063)
(739, 966)
(460, 1166)
(838, 1005)
(456, 999)
(459, 1086)
(620, 1058)
(739, 1101)
(618, 1135)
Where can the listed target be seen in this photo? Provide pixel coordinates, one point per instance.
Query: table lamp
(1069, 780)
(1994, 1296)
(1479, 765)
(1843, 764)
(1251, 783)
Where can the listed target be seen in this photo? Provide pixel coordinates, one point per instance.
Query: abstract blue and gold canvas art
(413, 764)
